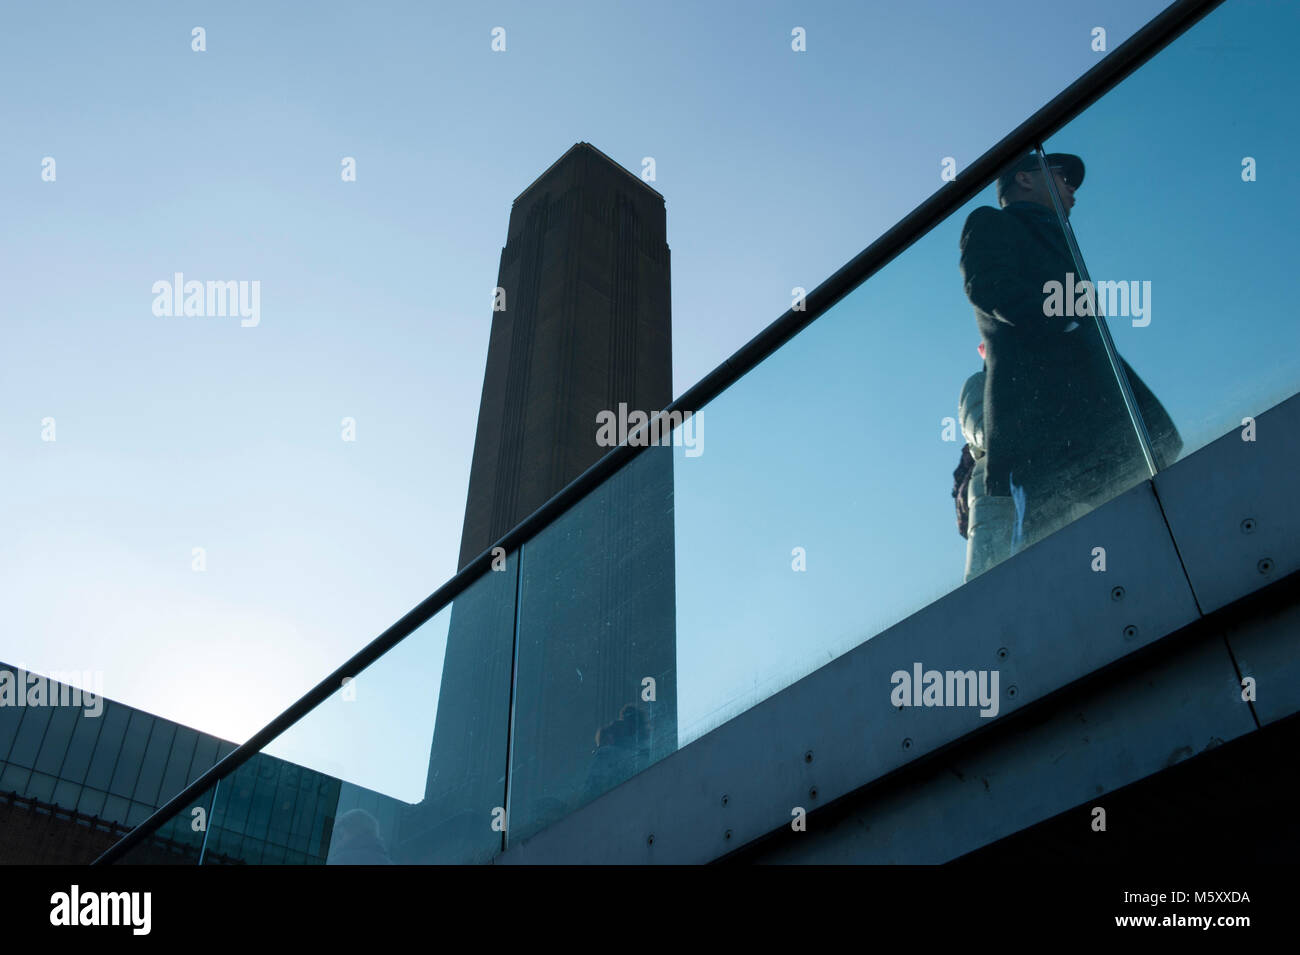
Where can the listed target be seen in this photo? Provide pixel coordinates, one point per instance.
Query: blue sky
(777, 167)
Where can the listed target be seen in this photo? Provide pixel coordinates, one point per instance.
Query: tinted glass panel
(30, 733)
(10, 716)
(205, 757)
(107, 747)
(84, 735)
(41, 787)
(155, 757)
(180, 839)
(67, 794)
(92, 802)
(1190, 236)
(62, 724)
(132, 754)
(115, 809)
(178, 763)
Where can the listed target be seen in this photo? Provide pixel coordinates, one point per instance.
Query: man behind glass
(1058, 437)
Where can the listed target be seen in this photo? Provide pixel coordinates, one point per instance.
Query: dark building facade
(76, 778)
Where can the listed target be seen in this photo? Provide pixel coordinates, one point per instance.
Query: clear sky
(777, 167)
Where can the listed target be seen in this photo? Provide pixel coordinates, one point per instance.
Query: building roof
(587, 146)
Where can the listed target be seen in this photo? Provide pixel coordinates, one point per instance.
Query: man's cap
(1071, 165)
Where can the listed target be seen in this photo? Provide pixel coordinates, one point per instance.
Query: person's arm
(996, 281)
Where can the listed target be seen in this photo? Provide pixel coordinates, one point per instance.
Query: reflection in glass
(596, 686)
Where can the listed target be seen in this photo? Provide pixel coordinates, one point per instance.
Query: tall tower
(586, 325)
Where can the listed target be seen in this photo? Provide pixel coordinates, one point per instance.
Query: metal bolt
(807, 757)
(1248, 526)
(1012, 691)
(650, 839)
(727, 834)
(1130, 632)
(812, 793)
(1117, 593)
(725, 799)
(907, 743)
(1003, 653)
(1265, 565)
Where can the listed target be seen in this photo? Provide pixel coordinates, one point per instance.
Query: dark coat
(1054, 417)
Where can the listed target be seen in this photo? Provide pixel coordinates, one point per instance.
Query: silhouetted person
(356, 841)
(621, 751)
(1058, 437)
(969, 485)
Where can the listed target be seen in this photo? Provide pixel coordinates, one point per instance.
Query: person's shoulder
(984, 217)
(986, 222)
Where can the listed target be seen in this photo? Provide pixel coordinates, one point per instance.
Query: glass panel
(259, 813)
(41, 787)
(597, 620)
(811, 505)
(92, 802)
(115, 809)
(251, 852)
(14, 778)
(286, 800)
(273, 855)
(155, 757)
(30, 734)
(178, 763)
(1188, 214)
(57, 737)
(10, 716)
(81, 748)
(130, 758)
(205, 757)
(179, 840)
(114, 718)
(405, 764)
(66, 794)
(137, 813)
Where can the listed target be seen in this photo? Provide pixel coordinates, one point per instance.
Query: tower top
(573, 152)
